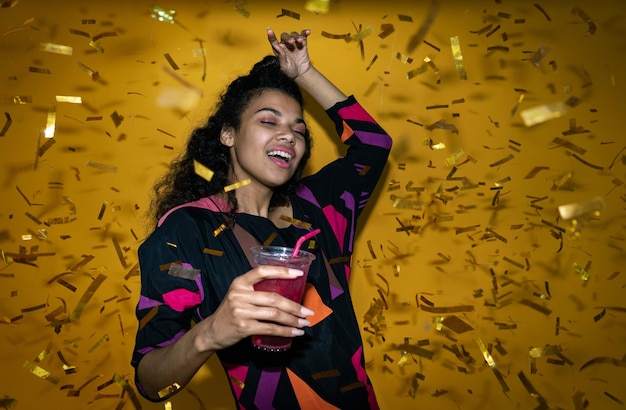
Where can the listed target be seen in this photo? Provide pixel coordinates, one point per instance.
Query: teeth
(284, 155)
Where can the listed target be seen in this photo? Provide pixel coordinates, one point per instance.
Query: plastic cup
(290, 288)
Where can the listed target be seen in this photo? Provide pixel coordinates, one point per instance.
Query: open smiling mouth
(281, 155)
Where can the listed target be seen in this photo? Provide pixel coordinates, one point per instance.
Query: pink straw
(301, 240)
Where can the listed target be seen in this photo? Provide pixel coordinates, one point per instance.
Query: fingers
(290, 40)
(256, 312)
(254, 276)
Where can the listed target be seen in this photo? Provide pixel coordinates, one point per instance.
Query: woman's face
(270, 142)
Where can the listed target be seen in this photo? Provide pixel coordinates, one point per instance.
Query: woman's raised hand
(292, 51)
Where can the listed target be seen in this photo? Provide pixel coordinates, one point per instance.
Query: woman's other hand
(292, 51)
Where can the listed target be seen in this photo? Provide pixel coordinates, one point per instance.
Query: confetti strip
(447, 309)
(492, 364)
(82, 303)
(69, 99)
(104, 339)
(414, 73)
(539, 55)
(236, 185)
(591, 26)
(93, 74)
(56, 48)
(202, 171)
(40, 372)
(101, 166)
(7, 124)
(458, 57)
(128, 390)
(573, 210)
(418, 36)
(317, 6)
(171, 61)
(118, 251)
(50, 122)
(532, 391)
(169, 390)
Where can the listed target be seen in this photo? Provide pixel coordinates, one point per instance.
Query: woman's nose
(287, 135)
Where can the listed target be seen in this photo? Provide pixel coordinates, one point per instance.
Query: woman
(195, 266)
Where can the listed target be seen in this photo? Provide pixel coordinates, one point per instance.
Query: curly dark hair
(180, 184)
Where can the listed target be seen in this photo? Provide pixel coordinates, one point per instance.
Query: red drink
(290, 288)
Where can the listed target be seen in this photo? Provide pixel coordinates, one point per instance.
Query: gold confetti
(56, 48)
(573, 210)
(360, 35)
(458, 57)
(326, 374)
(502, 161)
(7, 124)
(103, 35)
(40, 372)
(103, 339)
(122, 382)
(317, 6)
(240, 7)
(531, 390)
(404, 59)
(453, 158)
(414, 73)
(93, 74)
(219, 230)
(117, 118)
(491, 232)
(202, 171)
(289, 13)
(21, 99)
(236, 185)
(68, 368)
(6, 401)
(335, 36)
(118, 251)
(82, 303)
(591, 26)
(34, 308)
(432, 65)
(79, 33)
(101, 166)
(538, 7)
(539, 55)
(543, 113)
(39, 70)
(213, 252)
(582, 272)
(69, 99)
(456, 324)
(447, 309)
(296, 222)
(423, 29)
(589, 164)
(7, 4)
(539, 308)
(169, 390)
(386, 29)
(102, 210)
(51, 122)
(171, 61)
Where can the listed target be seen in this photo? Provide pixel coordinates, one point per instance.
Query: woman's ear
(227, 136)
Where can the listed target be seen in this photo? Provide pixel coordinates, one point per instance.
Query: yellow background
(466, 249)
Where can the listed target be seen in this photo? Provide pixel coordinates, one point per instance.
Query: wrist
(302, 73)
(203, 339)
